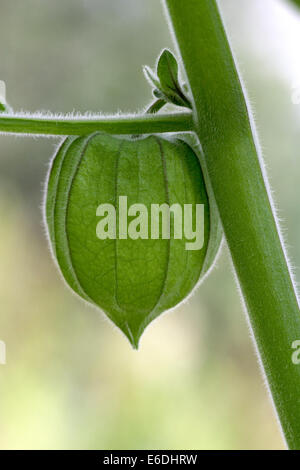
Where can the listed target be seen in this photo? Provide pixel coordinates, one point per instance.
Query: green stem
(135, 124)
(232, 158)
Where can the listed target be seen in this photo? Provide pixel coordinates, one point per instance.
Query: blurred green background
(72, 380)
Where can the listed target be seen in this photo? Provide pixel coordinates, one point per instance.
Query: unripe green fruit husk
(132, 281)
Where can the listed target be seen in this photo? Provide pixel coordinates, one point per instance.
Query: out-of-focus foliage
(71, 380)
(296, 2)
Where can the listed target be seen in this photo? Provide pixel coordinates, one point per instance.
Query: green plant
(220, 129)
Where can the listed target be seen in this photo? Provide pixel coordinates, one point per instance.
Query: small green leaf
(133, 280)
(166, 85)
(156, 106)
(167, 71)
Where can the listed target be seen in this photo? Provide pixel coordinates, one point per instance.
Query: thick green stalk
(135, 124)
(232, 157)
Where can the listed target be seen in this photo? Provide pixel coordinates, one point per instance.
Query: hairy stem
(232, 158)
(135, 124)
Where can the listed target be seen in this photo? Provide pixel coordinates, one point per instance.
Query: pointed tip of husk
(132, 335)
